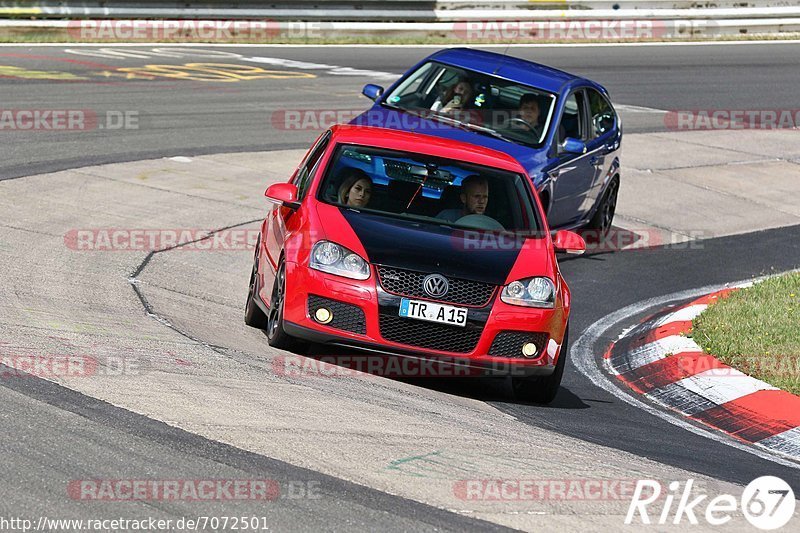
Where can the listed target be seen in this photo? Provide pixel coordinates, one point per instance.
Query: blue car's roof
(503, 66)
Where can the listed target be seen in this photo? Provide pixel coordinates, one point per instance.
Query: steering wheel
(523, 122)
(480, 222)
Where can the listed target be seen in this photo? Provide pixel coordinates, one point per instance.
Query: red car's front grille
(428, 335)
(409, 283)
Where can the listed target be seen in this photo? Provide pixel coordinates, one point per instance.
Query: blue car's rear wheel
(603, 219)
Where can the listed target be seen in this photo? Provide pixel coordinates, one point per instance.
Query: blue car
(560, 127)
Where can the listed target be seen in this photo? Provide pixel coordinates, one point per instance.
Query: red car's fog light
(530, 350)
(323, 315)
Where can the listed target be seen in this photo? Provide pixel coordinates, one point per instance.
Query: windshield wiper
(484, 129)
(417, 114)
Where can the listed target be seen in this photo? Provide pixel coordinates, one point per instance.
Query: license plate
(443, 314)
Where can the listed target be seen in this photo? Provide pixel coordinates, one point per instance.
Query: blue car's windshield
(430, 190)
(483, 103)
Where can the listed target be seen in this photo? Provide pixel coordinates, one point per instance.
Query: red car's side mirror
(569, 242)
(284, 194)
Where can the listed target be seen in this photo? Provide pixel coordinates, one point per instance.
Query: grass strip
(757, 331)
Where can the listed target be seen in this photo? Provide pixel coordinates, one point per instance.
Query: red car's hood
(476, 255)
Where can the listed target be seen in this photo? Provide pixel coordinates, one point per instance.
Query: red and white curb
(656, 359)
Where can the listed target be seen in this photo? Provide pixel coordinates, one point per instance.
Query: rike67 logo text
(767, 503)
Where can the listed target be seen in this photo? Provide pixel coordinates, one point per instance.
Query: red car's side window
(302, 177)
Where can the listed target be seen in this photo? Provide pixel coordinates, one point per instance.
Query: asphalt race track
(52, 432)
(189, 117)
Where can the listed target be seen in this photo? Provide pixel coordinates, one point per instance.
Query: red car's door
(279, 219)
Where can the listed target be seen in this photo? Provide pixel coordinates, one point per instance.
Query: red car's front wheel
(276, 336)
(253, 315)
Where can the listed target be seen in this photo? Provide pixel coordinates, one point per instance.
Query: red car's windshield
(429, 189)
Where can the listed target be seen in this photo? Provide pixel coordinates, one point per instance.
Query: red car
(409, 245)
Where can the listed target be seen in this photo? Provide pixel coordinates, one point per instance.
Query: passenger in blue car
(459, 96)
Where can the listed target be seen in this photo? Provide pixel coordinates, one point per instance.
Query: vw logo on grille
(435, 285)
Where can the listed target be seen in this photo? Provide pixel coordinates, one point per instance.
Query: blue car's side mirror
(572, 146)
(373, 92)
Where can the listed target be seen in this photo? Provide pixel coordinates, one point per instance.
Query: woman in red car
(356, 189)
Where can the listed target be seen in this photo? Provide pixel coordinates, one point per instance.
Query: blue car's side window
(603, 116)
(572, 124)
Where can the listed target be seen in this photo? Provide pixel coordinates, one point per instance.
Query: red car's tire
(276, 335)
(253, 315)
(542, 389)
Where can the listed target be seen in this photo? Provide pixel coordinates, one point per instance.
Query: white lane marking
(681, 315)
(111, 52)
(583, 357)
(684, 401)
(638, 109)
(711, 388)
(334, 70)
(181, 52)
(422, 46)
(653, 351)
(181, 159)
(787, 442)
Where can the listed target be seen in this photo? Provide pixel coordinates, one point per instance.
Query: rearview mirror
(569, 242)
(371, 91)
(572, 146)
(284, 194)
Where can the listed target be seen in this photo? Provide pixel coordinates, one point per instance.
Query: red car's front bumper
(381, 313)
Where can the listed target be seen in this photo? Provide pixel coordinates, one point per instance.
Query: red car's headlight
(530, 292)
(335, 259)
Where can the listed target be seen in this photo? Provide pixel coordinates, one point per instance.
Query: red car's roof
(424, 144)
